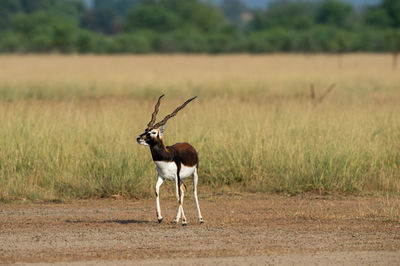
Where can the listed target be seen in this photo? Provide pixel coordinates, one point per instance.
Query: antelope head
(154, 132)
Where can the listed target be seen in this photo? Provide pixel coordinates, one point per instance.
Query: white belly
(167, 170)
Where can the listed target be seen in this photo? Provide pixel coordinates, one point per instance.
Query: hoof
(160, 220)
(184, 223)
(201, 221)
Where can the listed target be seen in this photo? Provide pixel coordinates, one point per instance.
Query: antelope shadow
(119, 221)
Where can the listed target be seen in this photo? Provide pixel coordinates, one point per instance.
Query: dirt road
(239, 229)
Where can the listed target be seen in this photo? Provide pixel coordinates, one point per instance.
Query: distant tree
(141, 26)
(132, 43)
(103, 20)
(169, 15)
(153, 16)
(30, 6)
(377, 16)
(285, 14)
(120, 6)
(85, 41)
(233, 10)
(198, 14)
(10, 42)
(43, 32)
(190, 40)
(63, 37)
(392, 8)
(107, 16)
(12, 6)
(7, 9)
(273, 40)
(334, 12)
(71, 8)
(387, 14)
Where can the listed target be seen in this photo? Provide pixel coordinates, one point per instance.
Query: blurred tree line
(195, 26)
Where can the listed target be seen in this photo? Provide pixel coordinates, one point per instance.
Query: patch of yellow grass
(69, 123)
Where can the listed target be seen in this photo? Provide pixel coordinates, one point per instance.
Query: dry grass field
(69, 123)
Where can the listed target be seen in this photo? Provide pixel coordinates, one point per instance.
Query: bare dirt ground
(238, 229)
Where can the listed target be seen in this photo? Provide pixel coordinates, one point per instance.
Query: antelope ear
(162, 129)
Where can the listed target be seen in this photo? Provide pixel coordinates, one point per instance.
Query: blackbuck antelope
(174, 163)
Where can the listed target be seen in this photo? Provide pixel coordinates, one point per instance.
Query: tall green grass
(59, 143)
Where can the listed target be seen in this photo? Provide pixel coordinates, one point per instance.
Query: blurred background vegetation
(194, 26)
